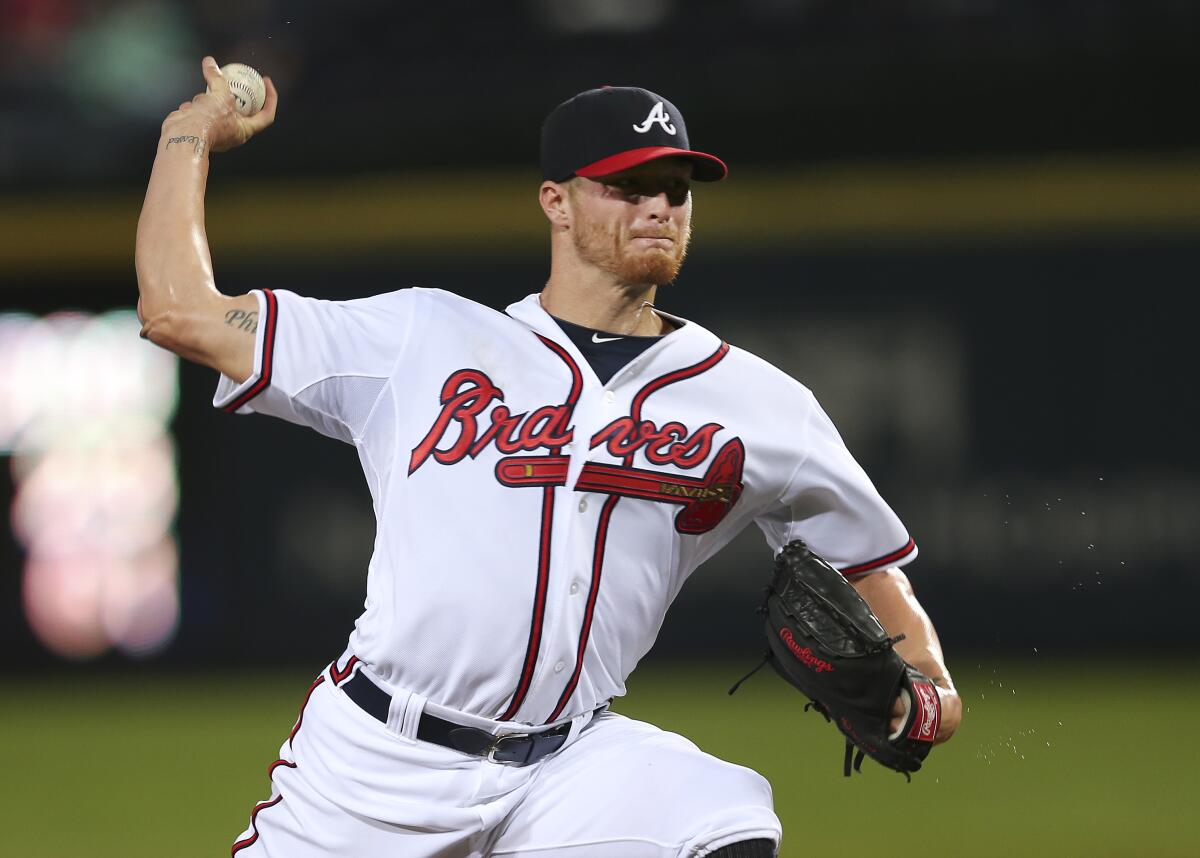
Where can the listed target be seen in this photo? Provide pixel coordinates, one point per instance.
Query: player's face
(635, 224)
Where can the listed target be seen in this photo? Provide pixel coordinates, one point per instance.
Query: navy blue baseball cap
(613, 128)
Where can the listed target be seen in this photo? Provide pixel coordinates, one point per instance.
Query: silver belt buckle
(491, 755)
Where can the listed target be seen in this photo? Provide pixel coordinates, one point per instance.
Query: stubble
(630, 264)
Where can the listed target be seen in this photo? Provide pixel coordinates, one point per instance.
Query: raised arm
(891, 597)
(178, 304)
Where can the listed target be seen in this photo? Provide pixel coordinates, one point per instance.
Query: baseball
(247, 87)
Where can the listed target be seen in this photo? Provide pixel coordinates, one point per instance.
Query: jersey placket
(591, 528)
(547, 472)
(571, 595)
(557, 647)
(570, 640)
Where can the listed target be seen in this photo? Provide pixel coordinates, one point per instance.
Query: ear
(553, 197)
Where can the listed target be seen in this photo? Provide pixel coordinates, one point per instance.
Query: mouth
(653, 240)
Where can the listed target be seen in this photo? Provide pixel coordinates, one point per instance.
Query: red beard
(629, 264)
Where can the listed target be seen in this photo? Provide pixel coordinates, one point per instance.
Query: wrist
(951, 714)
(191, 138)
(944, 682)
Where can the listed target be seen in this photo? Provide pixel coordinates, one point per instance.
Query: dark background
(1020, 390)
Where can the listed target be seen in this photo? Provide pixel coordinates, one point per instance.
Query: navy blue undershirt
(607, 357)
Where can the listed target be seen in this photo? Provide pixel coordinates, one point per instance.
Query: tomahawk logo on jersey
(553, 516)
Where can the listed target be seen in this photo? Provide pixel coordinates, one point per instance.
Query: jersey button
(574, 587)
(583, 505)
(610, 397)
(558, 668)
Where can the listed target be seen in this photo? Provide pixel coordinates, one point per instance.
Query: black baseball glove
(825, 641)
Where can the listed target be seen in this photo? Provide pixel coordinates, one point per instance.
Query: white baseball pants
(349, 786)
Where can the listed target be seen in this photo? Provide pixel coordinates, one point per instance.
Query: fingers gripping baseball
(213, 117)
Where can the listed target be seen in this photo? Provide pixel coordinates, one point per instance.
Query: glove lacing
(766, 660)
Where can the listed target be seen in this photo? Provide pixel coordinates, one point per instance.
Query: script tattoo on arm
(242, 320)
(185, 139)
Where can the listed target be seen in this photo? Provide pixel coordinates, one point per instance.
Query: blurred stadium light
(130, 59)
(84, 411)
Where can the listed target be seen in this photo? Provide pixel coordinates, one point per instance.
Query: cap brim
(708, 168)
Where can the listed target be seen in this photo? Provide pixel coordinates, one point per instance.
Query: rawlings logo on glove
(929, 708)
(805, 654)
(825, 641)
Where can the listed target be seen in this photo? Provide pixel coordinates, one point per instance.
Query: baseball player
(545, 480)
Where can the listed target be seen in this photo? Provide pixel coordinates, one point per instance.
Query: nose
(658, 207)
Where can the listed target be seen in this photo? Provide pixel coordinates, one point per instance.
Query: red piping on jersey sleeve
(268, 355)
(885, 560)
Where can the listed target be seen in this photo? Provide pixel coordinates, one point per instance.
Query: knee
(739, 818)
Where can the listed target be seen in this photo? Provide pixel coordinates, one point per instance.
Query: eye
(678, 191)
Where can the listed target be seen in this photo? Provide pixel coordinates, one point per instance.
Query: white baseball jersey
(534, 524)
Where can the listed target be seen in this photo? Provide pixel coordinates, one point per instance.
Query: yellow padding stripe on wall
(493, 213)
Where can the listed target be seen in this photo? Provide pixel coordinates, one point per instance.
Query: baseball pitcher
(545, 480)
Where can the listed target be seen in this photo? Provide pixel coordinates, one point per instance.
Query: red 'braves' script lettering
(805, 654)
(670, 445)
(467, 394)
(461, 430)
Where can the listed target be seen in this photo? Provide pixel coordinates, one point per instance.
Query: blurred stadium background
(970, 226)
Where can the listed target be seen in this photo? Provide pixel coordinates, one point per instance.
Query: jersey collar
(688, 343)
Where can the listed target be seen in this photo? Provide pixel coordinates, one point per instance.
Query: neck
(595, 299)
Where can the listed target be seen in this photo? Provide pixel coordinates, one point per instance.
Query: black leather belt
(513, 749)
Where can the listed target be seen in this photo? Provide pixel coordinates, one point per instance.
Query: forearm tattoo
(242, 320)
(187, 139)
